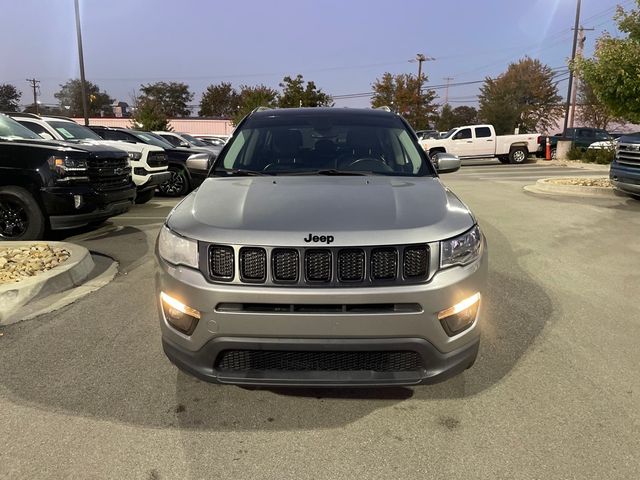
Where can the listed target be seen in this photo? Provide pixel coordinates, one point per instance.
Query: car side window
(463, 134)
(37, 129)
(114, 135)
(483, 132)
(175, 141)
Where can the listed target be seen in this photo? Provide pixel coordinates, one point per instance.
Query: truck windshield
(73, 131)
(193, 140)
(152, 139)
(449, 133)
(323, 144)
(11, 129)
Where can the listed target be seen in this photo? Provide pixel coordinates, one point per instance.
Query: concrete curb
(545, 186)
(69, 274)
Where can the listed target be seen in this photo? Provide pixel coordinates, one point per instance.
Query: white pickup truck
(481, 141)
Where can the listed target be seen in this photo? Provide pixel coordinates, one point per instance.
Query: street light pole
(85, 107)
(573, 56)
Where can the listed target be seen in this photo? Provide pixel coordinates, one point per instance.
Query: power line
(35, 84)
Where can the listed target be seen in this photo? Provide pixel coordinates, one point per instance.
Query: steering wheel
(369, 164)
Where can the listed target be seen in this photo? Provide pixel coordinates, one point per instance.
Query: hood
(282, 211)
(93, 148)
(126, 146)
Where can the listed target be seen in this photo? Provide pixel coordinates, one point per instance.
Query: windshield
(340, 144)
(9, 128)
(73, 131)
(152, 139)
(193, 140)
(449, 133)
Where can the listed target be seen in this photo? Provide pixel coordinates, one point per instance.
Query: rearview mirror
(446, 162)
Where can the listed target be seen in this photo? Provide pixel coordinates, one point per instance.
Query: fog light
(182, 317)
(77, 201)
(461, 316)
(139, 171)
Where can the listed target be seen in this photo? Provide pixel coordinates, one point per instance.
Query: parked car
(57, 185)
(582, 137)
(611, 144)
(481, 141)
(323, 250)
(624, 171)
(149, 164)
(217, 140)
(426, 134)
(188, 166)
(184, 140)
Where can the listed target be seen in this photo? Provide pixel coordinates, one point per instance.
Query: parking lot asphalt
(86, 392)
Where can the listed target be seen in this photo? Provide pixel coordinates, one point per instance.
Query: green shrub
(603, 156)
(575, 154)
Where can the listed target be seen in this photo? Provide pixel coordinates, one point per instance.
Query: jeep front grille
(221, 262)
(317, 267)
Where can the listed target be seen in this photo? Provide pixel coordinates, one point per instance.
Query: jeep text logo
(319, 238)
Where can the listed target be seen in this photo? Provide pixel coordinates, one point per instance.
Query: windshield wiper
(243, 172)
(328, 171)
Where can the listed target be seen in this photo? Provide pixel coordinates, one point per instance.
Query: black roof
(320, 112)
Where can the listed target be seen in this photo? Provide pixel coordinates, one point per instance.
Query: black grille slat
(221, 262)
(109, 173)
(300, 361)
(318, 266)
(415, 263)
(351, 265)
(286, 265)
(253, 264)
(384, 263)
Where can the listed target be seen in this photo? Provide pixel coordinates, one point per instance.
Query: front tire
(518, 155)
(177, 185)
(144, 197)
(20, 215)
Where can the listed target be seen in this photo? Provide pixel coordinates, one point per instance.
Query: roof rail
(384, 107)
(21, 114)
(60, 117)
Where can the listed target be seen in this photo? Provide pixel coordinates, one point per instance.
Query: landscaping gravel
(583, 182)
(19, 263)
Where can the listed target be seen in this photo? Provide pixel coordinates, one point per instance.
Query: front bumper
(95, 206)
(152, 180)
(417, 330)
(625, 178)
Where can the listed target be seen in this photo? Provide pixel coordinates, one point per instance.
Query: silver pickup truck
(323, 250)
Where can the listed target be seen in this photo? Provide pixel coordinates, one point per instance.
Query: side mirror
(198, 161)
(446, 162)
(185, 144)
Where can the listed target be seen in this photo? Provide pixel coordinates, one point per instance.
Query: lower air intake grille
(351, 265)
(253, 264)
(318, 265)
(221, 262)
(252, 360)
(415, 261)
(285, 265)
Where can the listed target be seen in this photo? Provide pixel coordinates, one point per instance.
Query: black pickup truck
(581, 137)
(57, 185)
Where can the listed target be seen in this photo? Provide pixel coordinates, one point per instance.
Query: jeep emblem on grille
(319, 238)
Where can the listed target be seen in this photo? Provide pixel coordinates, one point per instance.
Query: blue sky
(343, 45)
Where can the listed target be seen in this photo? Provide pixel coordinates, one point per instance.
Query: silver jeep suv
(322, 250)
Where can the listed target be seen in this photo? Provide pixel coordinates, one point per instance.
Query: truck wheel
(177, 185)
(517, 155)
(20, 215)
(145, 196)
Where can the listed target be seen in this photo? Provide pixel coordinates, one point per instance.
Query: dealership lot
(554, 393)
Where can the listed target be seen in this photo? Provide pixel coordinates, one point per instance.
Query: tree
(455, 117)
(70, 98)
(220, 100)
(524, 96)
(252, 97)
(9, 98)
(400, 93)
(173, 97)
(149, 114)
(614, 71)
(591, 111)
(296, 94)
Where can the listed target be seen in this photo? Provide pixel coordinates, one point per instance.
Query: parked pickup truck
(57, 185)
(625, 168)
(481, 141)
(582, 137)
(149, 164)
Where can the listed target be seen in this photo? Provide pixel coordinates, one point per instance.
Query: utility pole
(446, 91)
(420, 57)
(576, 82)
(573, 56)
(35, 84)
(85, 108)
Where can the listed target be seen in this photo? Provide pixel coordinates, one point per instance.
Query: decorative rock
(27, 261)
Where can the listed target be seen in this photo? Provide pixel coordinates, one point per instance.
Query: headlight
(461, 250)
(135, 155)
(177, 250)
(66, 164)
